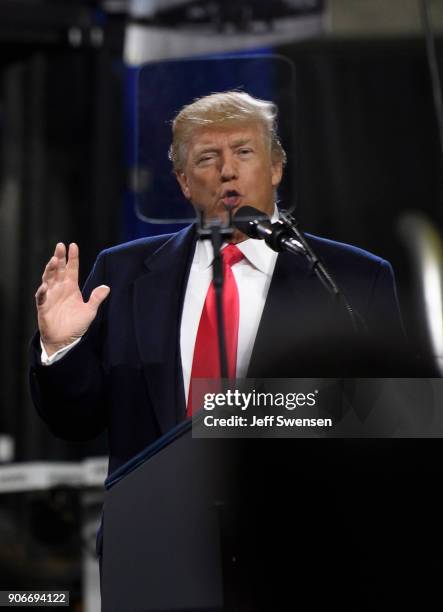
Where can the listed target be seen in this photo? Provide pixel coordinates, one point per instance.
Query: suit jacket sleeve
(70, 394)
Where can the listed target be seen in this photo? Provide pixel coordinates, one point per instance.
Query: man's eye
(245, 151)
(205, 158)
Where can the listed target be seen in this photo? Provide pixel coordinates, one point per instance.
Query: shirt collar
(256, 252)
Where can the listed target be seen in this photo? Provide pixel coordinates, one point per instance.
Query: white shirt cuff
(47, 361)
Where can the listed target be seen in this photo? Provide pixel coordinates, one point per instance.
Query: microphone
(280, 237)
(256, 224)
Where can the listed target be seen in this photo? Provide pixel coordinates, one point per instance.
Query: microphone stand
(319, 269)
(217, 232)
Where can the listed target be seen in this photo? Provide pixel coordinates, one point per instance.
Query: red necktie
(206, 361)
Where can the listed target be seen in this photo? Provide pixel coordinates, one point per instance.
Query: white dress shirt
(253, 276)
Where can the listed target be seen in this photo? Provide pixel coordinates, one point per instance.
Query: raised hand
(63, 316)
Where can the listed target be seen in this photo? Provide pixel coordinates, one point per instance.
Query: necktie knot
(231, 255)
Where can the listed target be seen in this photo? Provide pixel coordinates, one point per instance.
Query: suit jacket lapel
(292, 289)
(158, 304)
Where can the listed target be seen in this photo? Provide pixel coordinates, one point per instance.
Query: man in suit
(121, 354)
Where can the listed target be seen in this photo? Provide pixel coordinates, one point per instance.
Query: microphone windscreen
(247, 218)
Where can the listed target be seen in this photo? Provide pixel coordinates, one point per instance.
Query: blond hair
(218, 109)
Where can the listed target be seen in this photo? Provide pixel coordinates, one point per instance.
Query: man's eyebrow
(209, 148)
(213, 148)
(240, 142)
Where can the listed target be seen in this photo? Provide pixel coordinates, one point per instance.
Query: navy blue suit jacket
(125, 373)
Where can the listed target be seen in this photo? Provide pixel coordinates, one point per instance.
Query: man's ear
(276, 173)
(183, 182)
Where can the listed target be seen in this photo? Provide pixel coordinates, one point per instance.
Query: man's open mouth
(231, 198)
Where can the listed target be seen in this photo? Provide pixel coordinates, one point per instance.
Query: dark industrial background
(366, 151)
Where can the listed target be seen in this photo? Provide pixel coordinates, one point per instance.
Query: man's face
(230, 167)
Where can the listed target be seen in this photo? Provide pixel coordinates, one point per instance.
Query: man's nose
(228, 168)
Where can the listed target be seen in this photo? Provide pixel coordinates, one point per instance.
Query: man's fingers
(50, 271)
(60, 254)
(98, 295)
(40, 296)
(60, 250)
(73, 262)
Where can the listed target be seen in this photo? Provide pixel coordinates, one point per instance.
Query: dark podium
(204, 525)
(161, 528)
(261, 525)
